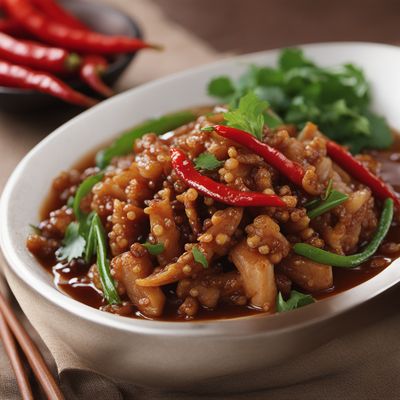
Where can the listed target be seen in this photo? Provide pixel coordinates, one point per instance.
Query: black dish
(100, 18)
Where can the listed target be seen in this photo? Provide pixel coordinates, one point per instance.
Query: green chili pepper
(123, 145)
(90, 246)
(334, 199)
(336, 260)
(84, 188)
(103, 265)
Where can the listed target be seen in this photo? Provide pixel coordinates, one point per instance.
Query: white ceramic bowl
(164, 353)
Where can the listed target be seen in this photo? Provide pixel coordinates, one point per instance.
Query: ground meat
(171, 247)
(307, 274)
(258, 276)
(129, 223)
(130, 266)
(42, 247)
(57, 223)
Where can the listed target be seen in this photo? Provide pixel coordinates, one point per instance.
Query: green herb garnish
(76, 240)
(315, 202)
(154, 249)
(298, 90)
(73, 244)
(249, 115)
(199, 257)
(207, 161)
(221, 87)
(295, 300)
(334, 199)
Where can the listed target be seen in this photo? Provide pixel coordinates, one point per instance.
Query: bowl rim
(119, 62)
(248, 325)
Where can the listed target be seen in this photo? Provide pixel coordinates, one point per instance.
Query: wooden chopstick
(35, 359)
(12, 352)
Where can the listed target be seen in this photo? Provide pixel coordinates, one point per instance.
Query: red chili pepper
(53, 10)
(35, 55)
(91, 71)
(355, 168)
(12, 27)
(70, 38)
(218, 191)
(12, 75)
(93, 66)
(275, 158)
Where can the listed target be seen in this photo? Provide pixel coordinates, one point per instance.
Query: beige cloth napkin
(362, 362)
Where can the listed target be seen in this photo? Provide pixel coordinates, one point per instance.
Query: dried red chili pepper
(90, 72)
(218, 191)
(355, 168)
(70, 38)
(35, 55)
(17, 76)
(275, 158)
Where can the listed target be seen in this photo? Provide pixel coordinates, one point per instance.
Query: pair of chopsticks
(11, 328)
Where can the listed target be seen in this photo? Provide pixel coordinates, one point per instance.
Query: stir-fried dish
(232, 210)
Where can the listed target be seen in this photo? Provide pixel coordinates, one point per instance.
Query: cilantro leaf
(273, 95)
(73, 244)
(267, 76)
(249, 115)
(207, 161)
(79, 236)
(380, 135)
(199, 257)
(336, 99)
(154, 249)
(295, 300)
(221, 87)
(272, 120)
(293, 58)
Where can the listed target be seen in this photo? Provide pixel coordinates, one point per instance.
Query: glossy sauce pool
(72, 279)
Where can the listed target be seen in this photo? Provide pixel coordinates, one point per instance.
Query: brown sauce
(74, 283)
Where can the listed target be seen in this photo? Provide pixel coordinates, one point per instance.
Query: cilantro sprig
(336, 99)
(296, 300)
(207, 161)
(73, 244)
(76, 240)
(86, 237)
(248, 116)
